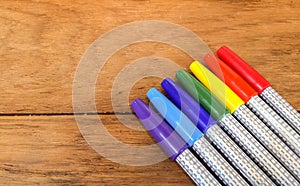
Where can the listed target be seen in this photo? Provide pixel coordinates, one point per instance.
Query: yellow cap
(216, 86)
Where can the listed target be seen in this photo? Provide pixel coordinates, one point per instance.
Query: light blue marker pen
(194, 138)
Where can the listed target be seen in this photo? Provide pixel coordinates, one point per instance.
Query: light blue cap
(177, 119)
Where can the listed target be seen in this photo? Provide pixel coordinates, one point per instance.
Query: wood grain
(50, 150)
(42, 42)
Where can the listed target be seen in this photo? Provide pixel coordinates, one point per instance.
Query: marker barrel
(217, 163)
(236, 156)
(282, 107)
(256, 151)
(197, 172)
(275, 123)
(268, 139)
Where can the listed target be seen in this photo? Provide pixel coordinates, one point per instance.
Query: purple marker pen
(172, 144)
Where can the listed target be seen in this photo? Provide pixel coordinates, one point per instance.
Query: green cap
(202, 95)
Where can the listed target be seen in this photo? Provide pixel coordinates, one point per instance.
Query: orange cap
(230, 77)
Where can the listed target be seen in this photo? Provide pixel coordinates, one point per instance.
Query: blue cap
(197, 114)
(167, 138)
(177, 119)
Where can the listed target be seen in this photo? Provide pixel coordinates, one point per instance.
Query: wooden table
(43, 41)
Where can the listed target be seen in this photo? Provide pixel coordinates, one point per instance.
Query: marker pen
(254, 102)
(262, 86)
(172, 144)
(235, 130)
(236, 106)
(193, 137)
(214, 134)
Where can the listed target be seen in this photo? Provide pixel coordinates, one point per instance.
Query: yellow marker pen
(217, 87)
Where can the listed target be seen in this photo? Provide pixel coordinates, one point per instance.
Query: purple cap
(167, 138)
(196, 113)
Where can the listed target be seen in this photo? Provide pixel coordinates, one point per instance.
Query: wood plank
(41, 43)
(50, 150)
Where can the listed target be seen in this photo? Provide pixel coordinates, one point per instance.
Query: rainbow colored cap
(256, 80)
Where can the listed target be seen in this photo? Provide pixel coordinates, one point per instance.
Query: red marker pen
(262, 86)
(263, 111)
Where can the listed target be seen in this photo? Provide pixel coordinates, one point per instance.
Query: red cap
(230, 77)
(257, 81)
